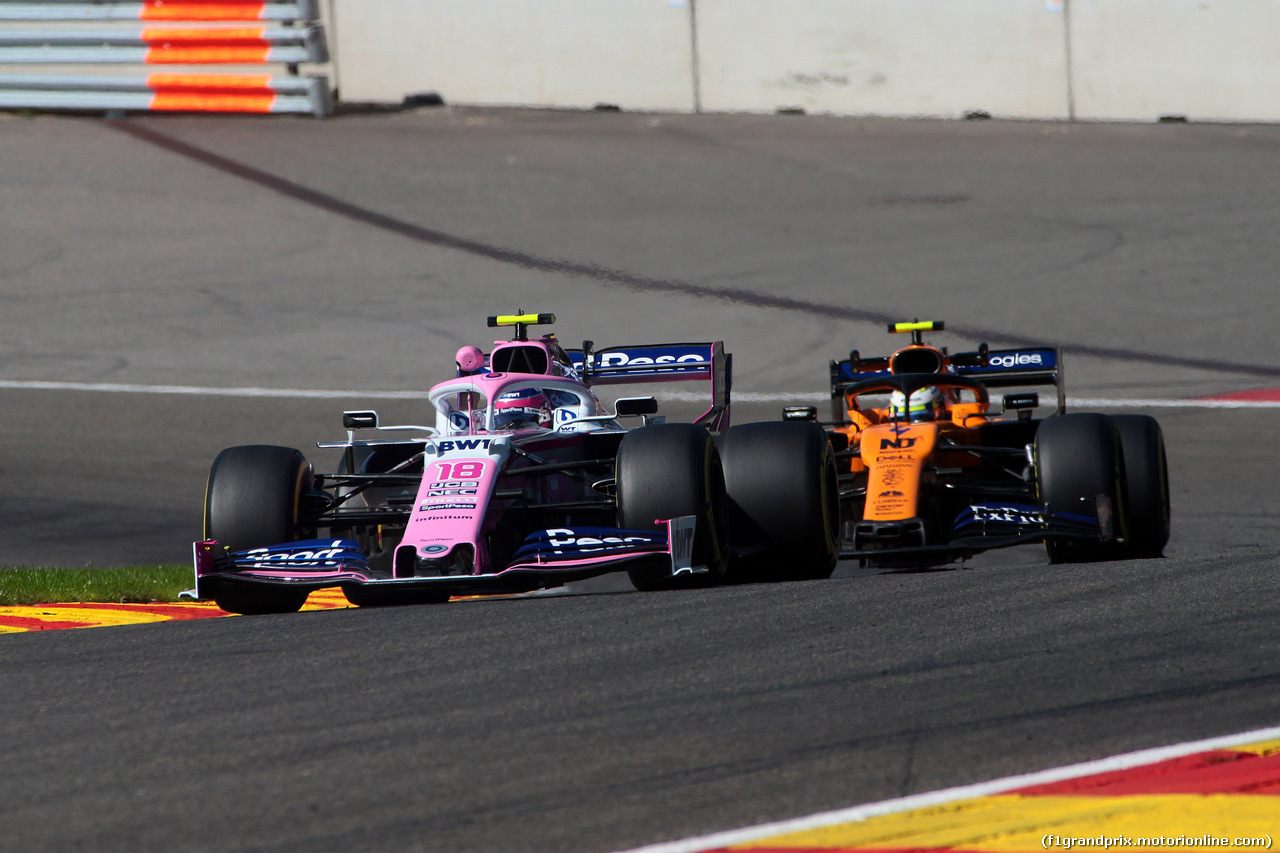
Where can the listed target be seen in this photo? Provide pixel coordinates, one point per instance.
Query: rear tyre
(1078, 458)
(1147, 486)
(783, 497)
(253, 499)
(669, 470)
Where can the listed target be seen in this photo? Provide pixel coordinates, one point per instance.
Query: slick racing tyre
(669, 470)
(1078, 458)
(254, 496)
(784, 501)
(254, 601)
(1146, 486)
(362, 596)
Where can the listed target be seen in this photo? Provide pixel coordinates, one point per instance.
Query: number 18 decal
(469, 470)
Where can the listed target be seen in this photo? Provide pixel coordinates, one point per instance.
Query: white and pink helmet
(528, 407)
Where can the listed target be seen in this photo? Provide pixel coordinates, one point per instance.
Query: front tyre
(1079, 458)
(1146, 486)
(253, 499)
(254, 496)
(257, 601)
(363, 596)
(784, 509)
(665, 471)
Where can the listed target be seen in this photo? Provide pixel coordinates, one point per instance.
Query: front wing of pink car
(547, 559)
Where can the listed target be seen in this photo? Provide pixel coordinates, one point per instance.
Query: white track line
(949, 795)
(282, 393)
(1172, 404)
(797, 397)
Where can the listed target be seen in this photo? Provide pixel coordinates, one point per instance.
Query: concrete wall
(1040, 59)
(885, 57)
(636, 54)
(1203, 59)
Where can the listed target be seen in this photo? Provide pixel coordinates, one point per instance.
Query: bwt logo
(463, 444)
(1019, 359)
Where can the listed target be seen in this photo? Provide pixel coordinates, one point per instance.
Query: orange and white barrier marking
(176, 34)
(205, 45)
(248, 93)
(181, 10)
(158, 10)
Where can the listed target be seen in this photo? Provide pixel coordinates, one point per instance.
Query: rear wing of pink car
(663, 363)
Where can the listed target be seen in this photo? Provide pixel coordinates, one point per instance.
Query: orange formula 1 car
(932, 473)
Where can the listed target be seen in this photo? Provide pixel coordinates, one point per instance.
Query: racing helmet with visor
(527, 407)
(924, 404)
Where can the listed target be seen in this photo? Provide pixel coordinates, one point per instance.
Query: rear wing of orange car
(663, 363)
(1003, 368)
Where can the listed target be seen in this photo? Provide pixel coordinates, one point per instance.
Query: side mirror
(630, 407)
(800, 413)
(360, 420)
(1022, 404)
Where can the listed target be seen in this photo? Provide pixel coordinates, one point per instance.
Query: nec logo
(899, 443)
(463, 444)
(1020, 359)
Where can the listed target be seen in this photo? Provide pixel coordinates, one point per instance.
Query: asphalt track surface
(359, 252)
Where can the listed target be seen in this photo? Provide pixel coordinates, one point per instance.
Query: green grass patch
(124, 584)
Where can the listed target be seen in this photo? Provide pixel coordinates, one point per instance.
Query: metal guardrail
(170, 33)
(242, 93)
(166, 45)
(157, 10)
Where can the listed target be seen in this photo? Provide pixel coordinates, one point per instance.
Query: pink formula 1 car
(526, 481)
